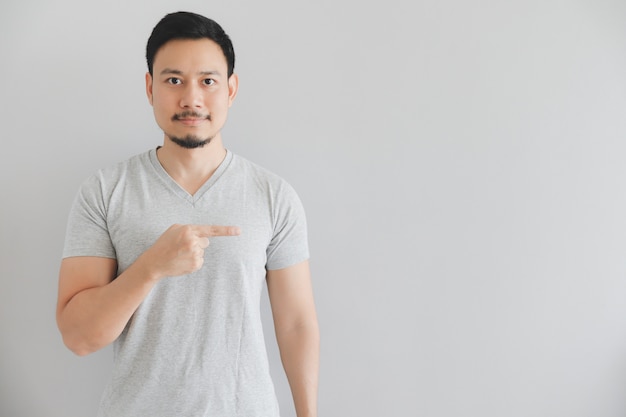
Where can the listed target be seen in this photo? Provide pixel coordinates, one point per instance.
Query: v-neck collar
(180, 191)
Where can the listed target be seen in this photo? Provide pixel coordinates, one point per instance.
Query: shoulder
(261, 176)
(282, 199)
(130, 166)
(112, 175)
(245, 165)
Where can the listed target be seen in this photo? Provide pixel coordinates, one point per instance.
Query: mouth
(191, 118)
(191, 121)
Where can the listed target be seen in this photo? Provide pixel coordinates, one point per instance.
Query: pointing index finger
(211, 230)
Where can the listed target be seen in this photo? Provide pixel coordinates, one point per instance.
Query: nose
(191, 97)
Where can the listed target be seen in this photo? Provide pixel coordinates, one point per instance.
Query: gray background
(462, 166)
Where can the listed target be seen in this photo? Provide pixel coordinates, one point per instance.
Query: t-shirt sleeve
(87, 233)
(289, 244)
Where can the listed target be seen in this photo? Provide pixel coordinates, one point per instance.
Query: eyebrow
(168, 71)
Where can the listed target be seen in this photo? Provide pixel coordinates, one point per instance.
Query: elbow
(78, 347)
(80, 351)
(76, 341)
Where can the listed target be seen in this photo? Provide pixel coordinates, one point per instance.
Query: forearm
(299, 351)
(95, 317)
(93, 308)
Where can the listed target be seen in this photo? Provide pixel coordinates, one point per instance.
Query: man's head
(186, 25)
(190, 81)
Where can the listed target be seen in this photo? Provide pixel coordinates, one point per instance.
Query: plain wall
(461, 164)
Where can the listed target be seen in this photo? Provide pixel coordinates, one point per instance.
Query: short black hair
(187, 25)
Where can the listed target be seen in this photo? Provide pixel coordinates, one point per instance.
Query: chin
(190, 141)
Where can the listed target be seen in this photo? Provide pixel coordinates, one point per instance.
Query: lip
(192, 121)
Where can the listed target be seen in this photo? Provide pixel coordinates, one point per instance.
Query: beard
(190, 141)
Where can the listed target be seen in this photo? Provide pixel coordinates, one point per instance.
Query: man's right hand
(93, 306)
(180, 249)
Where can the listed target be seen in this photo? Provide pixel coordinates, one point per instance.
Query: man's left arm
(297, 333)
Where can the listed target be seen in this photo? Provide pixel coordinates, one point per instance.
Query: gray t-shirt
(195, 345)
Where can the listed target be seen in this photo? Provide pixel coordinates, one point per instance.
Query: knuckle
(197, 264)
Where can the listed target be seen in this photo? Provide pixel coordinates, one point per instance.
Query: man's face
(190, 91)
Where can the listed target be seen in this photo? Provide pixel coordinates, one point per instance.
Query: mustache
(187, 114)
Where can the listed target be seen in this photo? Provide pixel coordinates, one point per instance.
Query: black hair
(186, 25)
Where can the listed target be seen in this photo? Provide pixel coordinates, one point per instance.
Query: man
(167, 253)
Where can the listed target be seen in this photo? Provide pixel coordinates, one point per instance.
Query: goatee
(190, 141)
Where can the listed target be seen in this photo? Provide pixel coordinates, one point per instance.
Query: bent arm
(93, 307)
(297, 333)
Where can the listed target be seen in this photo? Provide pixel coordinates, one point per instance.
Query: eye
(174, 81)
(208, 81)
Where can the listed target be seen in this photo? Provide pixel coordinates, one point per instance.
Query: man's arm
(297, 333)
(93, 308)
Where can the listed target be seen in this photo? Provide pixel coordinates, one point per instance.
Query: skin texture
(190, 76)
(297, 333)
(190, 93)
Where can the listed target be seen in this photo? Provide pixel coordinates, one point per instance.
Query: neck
(191, 168)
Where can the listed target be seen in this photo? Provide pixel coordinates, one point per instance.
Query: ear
(149, 87)
(233, 87)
